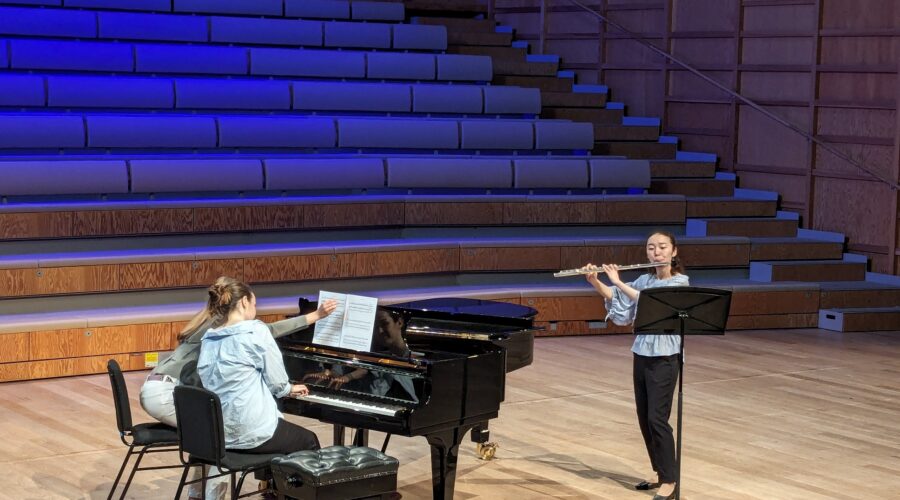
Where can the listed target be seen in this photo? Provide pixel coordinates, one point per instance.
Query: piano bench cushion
(350, 471)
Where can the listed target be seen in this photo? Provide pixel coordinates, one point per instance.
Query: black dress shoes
(646, 485)
(670, 496)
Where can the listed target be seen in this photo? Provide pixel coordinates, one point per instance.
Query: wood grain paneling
(399, 263)
(872, 88)
(451, 214)
(761, 141)
(781, 86)
(35, 225)
(154, 275)
(14, 347)
(792, 188)
(565, 328)
(353, 215)
(774, 302)
(752, 228)
(224, 219)
(856, 50)
(684, 84)
(702, 51)
(290, 268)
(640, 89)
(575, 308)
(163, 220)
(549, 213)
(640, 212)
(283, 216)
(205, 272)
(779, 18)
(77, 279)
(696, 115)
(736, 255)
(858, 298)
(840, 271)
(79, 342)
(769, 51)
(760, 250)
(768, 321)
(509, 259)
(704, 15)
(856, 14)
(856, 122)
(572, 257)
(878, 159)
(18, 282)
(855, 208)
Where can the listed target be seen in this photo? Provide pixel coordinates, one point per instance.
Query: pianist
(241, 363)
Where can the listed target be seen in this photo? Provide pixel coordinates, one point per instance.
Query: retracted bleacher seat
(55, 177)
(109, 92)
(377, 11)
(190, 59)
(438, 98)
(619, 173)
(424, 172)
(419, 37)
(397, 133)
(257, 7)
(33, 2)
(276, 131)
(196, 93)
(76, 56)
(551, 173)
(511, 100)
(47, 22)
(317, 9)
(400, 66)
(174, 175)
(311, 63)
(142, 131)
(21, 90)
(496, 134)
(558, 134)
(143, 5)
(266, 31)
(332, 173)
(453, 67)
(4, 61)
(362, 35)
(344, 96)
(41, 131)
(136, 26)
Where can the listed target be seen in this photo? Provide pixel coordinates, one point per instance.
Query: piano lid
(470, 307)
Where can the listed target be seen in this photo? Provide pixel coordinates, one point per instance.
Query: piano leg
(361, 437)
(444, 453)
(480, 436)
(339, 435)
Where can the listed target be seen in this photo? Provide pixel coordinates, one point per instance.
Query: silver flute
(596, 269)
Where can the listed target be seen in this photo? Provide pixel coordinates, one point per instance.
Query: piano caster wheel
(486, 451)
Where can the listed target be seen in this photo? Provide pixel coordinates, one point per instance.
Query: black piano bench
(335, 473)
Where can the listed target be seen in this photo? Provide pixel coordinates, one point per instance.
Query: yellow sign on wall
(151, 359)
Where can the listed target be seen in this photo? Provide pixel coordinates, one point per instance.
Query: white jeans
(158, 400)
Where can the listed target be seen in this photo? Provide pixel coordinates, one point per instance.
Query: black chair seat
(154, 433)
(235, 460)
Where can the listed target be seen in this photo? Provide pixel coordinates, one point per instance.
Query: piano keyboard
(353, 404)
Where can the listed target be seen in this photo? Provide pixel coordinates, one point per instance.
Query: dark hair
(677, 267)
(224, 296)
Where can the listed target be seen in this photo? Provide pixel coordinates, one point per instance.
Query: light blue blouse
(622, 311)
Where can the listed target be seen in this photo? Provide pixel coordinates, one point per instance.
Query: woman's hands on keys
(298, 391)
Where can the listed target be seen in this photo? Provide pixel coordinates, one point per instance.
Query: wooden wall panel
(870, 88)
(627, 52)
(850, 14)
(79, 342)
(779, 19)
(35, 225)
(762, 143)
(174, 220)
(877, 158)
(702, 51)
(219, 219)
(154, 275)
(441, 214)
(769, 51)
(795, 301)
(684, 115)
(767, 86)
(284, 216)
(14, 347)
(587, 308)
(855, 208)
(549, 213)
(205, 272)
(353, 215)
(527, 24)
(18, 282)
(290, 268)
(704, 15)
(876, 123)
(792, 188)
(645, 21)
(576, 51)
(509, 259)
(640, 89)
(685, 84)
(77, 279)
(569, 23)
(625, 212)
(719, 145)
(856, 50)
(440, 260)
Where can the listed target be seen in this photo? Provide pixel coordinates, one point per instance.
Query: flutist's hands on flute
(612, 270)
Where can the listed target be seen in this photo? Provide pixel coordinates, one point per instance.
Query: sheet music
(351, 325)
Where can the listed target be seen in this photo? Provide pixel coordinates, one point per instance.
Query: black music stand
(682, 311)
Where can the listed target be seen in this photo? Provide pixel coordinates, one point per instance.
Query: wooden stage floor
(770, 414)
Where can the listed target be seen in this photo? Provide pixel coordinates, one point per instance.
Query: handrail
(831, 149)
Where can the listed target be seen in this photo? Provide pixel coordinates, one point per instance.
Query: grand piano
(437, 368)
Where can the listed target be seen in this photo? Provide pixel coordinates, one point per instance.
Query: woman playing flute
(655, 366)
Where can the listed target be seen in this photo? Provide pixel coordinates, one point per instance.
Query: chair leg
(231, 483)
(203, 470)
(240, 484)
(134, 469)
(119, 475)
(184, 474)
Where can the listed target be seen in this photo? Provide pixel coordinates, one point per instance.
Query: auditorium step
(693, 187)
(524, 68)
(573, 99)
(506, 53)
(737, 226)
(860, 319)
(849, 269)
(728, 206)
(431, 7)
(544, 83)
(597, 116)
(479, 38)
(767, 249)
(858, 294)
(625, 132)
(459, 24)
(641, 150)
(685, 169)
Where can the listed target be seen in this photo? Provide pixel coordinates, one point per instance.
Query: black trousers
(287, 438)
(654, 388)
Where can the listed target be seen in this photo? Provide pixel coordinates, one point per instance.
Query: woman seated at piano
(157, 393)
(655, 358)
(241, 363)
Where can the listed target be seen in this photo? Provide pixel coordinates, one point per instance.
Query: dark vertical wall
(828, 66)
